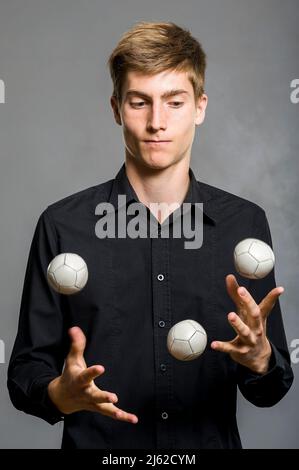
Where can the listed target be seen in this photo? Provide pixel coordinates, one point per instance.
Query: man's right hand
(75, 390)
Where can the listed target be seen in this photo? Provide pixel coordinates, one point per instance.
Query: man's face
(148, 114)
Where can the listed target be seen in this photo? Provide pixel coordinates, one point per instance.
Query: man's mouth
(157, 142)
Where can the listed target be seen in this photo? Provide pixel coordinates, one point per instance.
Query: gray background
(58, 136)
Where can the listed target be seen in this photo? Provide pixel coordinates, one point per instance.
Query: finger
(78, 343)
(223, 346)
(116, 413)
(124, 416)
(268, 303)
(252, 309)
(232, 288)
(242, 330)
(90, 374)
(101, 396)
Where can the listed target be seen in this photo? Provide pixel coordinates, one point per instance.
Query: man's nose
(157, 117)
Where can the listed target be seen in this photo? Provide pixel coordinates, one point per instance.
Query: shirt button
(163, 367)
(161, 324)
(164, 415)
(160, 277)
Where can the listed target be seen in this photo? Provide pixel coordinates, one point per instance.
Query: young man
(139, 287)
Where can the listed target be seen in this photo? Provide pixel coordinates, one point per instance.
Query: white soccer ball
(67, 273)
(253, 258)
(186, 340)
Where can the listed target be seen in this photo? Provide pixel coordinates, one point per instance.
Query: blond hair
(153, 47)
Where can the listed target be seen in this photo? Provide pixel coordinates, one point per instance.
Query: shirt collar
(197, 192)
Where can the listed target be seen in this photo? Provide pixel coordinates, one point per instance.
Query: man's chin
(158, 163)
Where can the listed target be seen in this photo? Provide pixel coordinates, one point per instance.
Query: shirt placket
(162, 324)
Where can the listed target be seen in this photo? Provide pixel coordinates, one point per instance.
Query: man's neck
(169, 185)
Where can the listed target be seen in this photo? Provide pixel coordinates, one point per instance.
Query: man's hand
(250, 347)
(75, 389)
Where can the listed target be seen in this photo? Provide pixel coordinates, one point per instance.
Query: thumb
(78, 342)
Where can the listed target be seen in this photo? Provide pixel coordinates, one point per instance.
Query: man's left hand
(250, 347)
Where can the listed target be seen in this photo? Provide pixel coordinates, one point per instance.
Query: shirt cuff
(277, 367)
(39, 394)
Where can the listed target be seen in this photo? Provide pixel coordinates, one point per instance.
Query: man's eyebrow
(167, 94)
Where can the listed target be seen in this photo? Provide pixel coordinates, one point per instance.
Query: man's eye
(176, 103)
(137, 104)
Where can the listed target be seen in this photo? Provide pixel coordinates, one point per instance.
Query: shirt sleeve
(38, 353)
(267, 389)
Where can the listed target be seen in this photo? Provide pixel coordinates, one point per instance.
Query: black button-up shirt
(137, 289)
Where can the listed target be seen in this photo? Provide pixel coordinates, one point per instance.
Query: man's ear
(114, 104)
(201, 106)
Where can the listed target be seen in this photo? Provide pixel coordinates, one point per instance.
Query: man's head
(150, 61)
